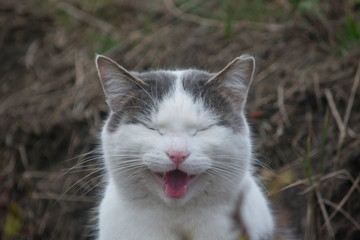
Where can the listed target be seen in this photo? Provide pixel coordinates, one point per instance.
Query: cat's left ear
(117, 82)
(235, 79)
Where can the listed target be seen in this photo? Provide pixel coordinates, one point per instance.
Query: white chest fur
(121, 220)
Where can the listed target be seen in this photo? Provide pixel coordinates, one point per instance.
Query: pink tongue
(175, 183)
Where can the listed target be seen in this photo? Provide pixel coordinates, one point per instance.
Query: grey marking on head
(214, 96)
(133, 96)
(141, 100)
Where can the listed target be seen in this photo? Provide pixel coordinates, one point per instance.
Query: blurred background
(303, 105)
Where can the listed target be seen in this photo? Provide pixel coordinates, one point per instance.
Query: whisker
(77, 182)
(92, 188)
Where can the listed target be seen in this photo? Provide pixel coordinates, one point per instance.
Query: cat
(178, 156)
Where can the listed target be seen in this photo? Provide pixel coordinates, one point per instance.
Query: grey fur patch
(215, 97)
(142, 99)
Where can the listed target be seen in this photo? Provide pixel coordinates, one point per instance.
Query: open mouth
(175, 183)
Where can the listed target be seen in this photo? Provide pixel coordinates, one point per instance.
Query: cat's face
(176, 135)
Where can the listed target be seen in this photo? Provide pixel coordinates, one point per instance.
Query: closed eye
(152, 129)
(203, 129)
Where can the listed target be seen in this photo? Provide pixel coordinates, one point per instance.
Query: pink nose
(178, 157)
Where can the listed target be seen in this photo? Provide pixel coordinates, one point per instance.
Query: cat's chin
(176, 183)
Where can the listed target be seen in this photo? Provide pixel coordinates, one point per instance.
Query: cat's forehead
(181, 109)
(170, 78)
(176, 99)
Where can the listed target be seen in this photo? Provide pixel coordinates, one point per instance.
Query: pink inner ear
(101, 71)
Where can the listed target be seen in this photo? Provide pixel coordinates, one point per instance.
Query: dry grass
(304, 103)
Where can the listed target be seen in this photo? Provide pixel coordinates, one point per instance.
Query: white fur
(134, 205)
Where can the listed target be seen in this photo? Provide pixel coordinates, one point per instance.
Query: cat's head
(176, 135)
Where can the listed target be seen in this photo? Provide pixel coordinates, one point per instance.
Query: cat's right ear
(116, 81)
(235, 79)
